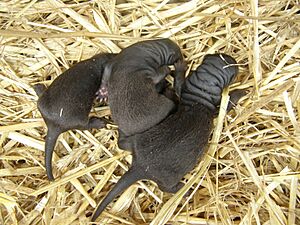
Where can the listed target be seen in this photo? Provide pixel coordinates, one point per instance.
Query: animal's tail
(130, 177)
(51, 137)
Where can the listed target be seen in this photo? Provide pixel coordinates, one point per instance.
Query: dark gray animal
(67, 102)
(133, 78)
(167, 151)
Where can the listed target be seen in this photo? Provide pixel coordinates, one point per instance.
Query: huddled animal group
(166, 129)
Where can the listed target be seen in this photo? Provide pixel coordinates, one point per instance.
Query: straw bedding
(250, 173)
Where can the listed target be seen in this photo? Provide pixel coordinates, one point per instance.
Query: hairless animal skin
(67, 102)
(133, 79)
(170, 149)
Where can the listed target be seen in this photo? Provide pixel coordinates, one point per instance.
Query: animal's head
(223, 68)
(167, 51)
(206, 83)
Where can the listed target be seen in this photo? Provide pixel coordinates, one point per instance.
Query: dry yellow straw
(250, 173)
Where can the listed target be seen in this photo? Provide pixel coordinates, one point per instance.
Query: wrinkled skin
(67, 102)
(134, 79)
(167, 151)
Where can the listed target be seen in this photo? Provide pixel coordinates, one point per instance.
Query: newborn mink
(134, 79)
(67, 102)
(167, 151)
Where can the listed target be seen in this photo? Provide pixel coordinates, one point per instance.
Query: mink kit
(67, 102)
(167, 151)
(134, 80)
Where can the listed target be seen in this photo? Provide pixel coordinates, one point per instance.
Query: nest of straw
(250, 172)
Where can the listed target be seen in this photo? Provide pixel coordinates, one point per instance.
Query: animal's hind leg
(94, 122)
(124, 142)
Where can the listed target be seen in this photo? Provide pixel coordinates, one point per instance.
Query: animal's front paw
(179, 76)
(180, 65)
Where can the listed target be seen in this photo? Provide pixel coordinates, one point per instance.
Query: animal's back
(139, 105)
(149, 54)
(171, 148)
(71, 94)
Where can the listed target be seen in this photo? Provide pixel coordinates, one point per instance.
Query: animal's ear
(39, 89)
(235, 97)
